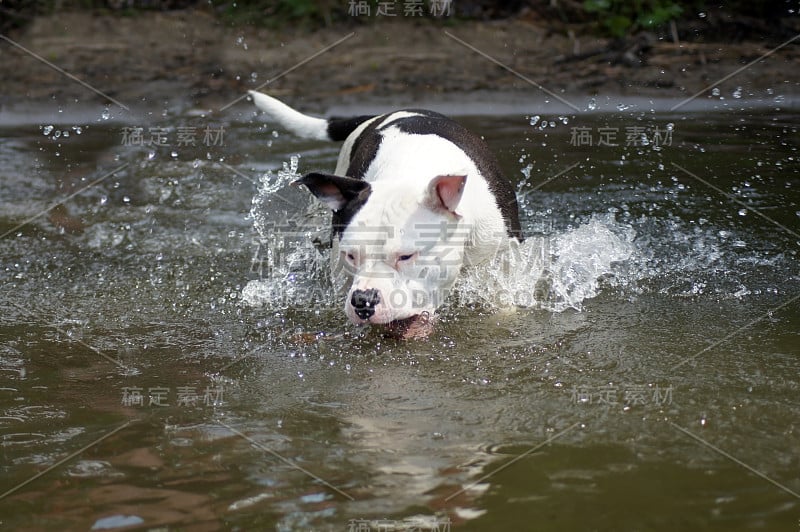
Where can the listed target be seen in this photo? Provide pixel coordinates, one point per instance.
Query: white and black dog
(415, 198)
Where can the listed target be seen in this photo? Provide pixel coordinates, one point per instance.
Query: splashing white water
(290, 258)
(266, 199)
(584, 257)
(555, 272)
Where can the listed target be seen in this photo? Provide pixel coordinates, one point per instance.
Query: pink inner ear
(449, 189)
(331, 196)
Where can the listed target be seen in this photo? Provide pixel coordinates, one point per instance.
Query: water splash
(291, 258)
(586, 256)
(263, 205)
(554, 272)
(291, 276)
(686, 259)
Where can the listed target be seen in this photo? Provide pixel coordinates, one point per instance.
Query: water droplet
(174, 154)
(742, 212)
(151, 155)
(527, 171)
(534, 120)
(670, 126)
(592, 104)
(737, 93)
(106, 114)
(126, 199)
(715, 91)
(47, 130)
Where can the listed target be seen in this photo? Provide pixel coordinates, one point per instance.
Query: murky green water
(143, 385)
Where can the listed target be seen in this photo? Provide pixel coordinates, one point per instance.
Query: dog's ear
(444, 192)
(333, 190)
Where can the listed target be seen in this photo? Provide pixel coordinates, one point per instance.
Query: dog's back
(363, 137)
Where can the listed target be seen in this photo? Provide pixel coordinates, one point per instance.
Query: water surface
(171, 350)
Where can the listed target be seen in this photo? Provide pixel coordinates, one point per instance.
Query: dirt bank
(163, 57)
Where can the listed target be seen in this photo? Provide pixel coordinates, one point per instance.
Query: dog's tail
(306, 126)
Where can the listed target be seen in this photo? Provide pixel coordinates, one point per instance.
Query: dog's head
(402, 245)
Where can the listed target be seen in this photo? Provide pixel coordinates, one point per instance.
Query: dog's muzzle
(364, 302)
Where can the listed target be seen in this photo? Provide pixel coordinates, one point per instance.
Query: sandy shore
(160, 58)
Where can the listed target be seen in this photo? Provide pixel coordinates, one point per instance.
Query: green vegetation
(621, 17)
(275, 13)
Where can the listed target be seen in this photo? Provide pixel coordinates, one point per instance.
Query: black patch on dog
(364, 149)
(477, 150)
(352, 193)
(366, 146)
(339, 128)
(342, 218)
(368, 142)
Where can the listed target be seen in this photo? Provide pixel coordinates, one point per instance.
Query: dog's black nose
(364, 302)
